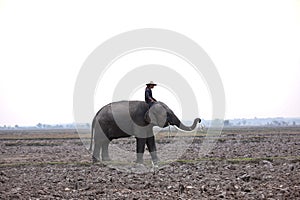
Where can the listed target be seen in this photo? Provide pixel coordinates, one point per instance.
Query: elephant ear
(156, 115)
(147, 117)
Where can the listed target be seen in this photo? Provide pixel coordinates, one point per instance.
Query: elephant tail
(92, 134)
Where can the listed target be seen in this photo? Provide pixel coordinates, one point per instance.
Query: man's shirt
(148, 95)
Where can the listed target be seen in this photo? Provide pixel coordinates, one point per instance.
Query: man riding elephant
(148, 93)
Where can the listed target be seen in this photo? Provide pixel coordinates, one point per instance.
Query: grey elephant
(132, 118)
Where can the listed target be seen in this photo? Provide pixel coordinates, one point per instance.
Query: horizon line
(2, 125)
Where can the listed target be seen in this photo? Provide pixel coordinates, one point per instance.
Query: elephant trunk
(180, 125)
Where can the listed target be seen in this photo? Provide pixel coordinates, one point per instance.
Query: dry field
(244, 163)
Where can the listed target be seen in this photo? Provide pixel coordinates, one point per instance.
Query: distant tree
(275, 122)
(284, 123)
(226, 122)
(39, 125)
(16, 126)
(294, 123)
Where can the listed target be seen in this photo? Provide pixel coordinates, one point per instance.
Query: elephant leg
(140, 149)
(104, 153)
(96, 152)
(150, 142)
(97, 142)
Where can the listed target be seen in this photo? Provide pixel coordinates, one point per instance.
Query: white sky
(161, 92)
(255, 46)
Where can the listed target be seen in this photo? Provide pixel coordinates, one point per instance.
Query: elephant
(132, 118)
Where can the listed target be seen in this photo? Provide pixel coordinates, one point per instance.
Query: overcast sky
(255, 46)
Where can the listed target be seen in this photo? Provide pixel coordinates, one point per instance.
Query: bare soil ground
(244, 163)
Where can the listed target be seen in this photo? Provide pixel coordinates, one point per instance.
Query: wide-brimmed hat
(151, 83)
